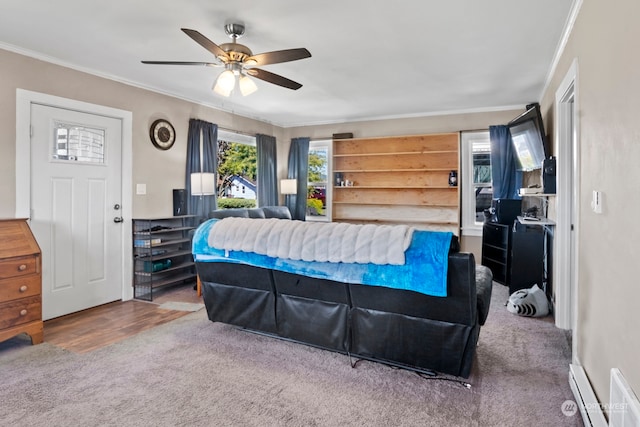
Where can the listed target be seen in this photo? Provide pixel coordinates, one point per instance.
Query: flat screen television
(529, 140)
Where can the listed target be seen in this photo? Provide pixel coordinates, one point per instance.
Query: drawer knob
(23, 288)
(22, 267)
(23, 312)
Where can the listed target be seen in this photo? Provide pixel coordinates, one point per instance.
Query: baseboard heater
(624, 408)
(586, 400)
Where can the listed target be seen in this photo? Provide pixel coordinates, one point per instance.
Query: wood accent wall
(398, 180)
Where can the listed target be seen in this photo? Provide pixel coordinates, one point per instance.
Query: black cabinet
(514, 254)
(496, 247)
(527, 257)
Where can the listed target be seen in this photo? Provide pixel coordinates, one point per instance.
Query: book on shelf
(156, 266)
(146, 243)
(153, 252)
(529, 191)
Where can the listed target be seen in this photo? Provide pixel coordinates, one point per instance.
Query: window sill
(317, 218)
(475, 230)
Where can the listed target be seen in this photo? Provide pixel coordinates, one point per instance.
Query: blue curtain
(506, 178)
(206, 132)
(267, 170)
(298, 169)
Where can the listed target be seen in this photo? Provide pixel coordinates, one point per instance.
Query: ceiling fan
(240, 62)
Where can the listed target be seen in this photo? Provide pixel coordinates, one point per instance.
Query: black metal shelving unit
(161, 254)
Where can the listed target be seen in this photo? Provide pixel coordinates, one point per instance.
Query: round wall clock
(162, 134)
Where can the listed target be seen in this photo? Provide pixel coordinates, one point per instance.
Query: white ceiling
(370, 58)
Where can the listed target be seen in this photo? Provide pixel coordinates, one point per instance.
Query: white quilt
(313, 241)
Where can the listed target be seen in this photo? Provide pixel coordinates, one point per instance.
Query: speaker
(549, 175)
(179, 202)
(507, 210)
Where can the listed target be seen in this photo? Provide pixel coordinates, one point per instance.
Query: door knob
(118, 219)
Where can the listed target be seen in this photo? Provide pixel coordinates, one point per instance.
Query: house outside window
(237, 170)
(75, 143)
(477, 191)
(319, 184)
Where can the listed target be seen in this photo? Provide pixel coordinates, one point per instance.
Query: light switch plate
(596, 201)
(141, 189)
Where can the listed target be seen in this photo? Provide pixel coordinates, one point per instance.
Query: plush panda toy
(528, 302)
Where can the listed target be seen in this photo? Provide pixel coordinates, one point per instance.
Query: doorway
(73, 183)
(567, 139)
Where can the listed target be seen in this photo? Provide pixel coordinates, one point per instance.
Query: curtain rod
(463, 130)
(237, 131)
(330, 138)
(254, 134)
(474, 130)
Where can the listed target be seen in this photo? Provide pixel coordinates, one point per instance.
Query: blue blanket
(424, 271)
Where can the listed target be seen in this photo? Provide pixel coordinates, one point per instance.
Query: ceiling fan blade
(206, 43)
(278, 56)
(273, 78)
(206, 64)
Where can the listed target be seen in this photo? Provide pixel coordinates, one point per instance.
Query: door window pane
(78, 143)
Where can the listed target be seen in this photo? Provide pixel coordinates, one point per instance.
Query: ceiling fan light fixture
(239, 61)
(247, 86)
(225, 83)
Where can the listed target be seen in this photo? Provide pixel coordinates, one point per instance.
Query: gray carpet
(191, 372)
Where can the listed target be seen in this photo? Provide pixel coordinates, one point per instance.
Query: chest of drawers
(20, 281)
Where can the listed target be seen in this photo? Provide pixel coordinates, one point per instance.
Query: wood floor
(100, 326)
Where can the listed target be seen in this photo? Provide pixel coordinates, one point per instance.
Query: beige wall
(160, 170)
(605, 42)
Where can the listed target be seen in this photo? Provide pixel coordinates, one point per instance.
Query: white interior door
(75, 207)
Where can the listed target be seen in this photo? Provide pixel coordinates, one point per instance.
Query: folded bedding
(313, 241)
(399, 258)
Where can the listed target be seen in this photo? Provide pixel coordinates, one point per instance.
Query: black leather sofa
(280, 212)
(397, 327)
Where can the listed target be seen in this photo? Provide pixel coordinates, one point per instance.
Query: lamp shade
(225, 83)
(247, 86)
(288, 186)
(203, 184)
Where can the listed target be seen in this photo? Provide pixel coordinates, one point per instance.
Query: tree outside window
(237, 173)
